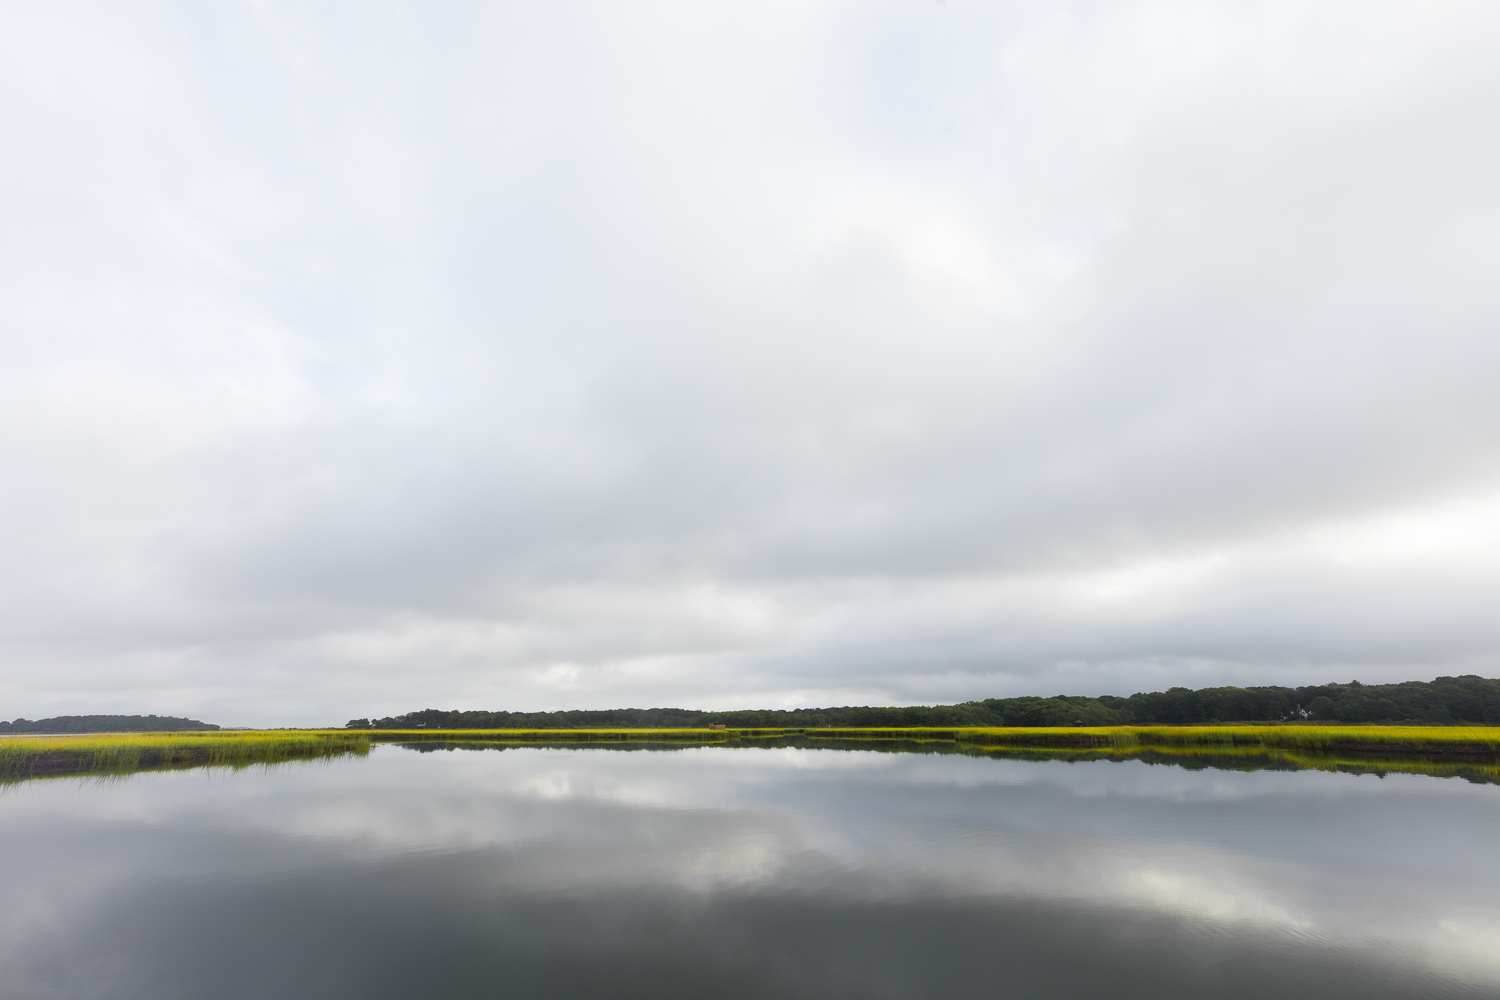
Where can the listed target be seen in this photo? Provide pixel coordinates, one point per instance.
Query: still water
(783, 872)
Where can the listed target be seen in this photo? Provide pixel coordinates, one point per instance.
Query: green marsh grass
(1474, 750)
(1476, 741)
(1419, 740)
(34, 756)
(1395, 740)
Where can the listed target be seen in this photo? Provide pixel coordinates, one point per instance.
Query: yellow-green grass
(1415, 740)
(32, 756)
(1397, 740)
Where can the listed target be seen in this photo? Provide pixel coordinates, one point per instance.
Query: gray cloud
(359, 357)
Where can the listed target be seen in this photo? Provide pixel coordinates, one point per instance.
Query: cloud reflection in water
(749, 872)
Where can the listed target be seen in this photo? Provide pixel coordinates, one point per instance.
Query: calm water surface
(780, 872)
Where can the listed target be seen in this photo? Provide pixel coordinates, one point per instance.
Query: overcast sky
(358, 357)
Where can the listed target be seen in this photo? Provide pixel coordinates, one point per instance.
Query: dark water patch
(421, 929)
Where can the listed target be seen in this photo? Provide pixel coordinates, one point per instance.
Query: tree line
(106, 724)
(1468, 699)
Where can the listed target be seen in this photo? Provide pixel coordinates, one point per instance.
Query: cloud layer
(363, 357)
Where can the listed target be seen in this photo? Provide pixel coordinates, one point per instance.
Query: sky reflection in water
(747, 873)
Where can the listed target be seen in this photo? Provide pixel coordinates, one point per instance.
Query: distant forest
(1447, 700)
(105, 724)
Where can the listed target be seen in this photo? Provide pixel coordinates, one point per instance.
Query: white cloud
(358, 358)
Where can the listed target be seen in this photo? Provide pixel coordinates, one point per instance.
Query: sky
(358, 358)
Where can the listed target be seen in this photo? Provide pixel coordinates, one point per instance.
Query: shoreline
(36, 756)
(24, 756)
(1481, 741)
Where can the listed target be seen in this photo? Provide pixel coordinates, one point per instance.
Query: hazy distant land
(106, 724)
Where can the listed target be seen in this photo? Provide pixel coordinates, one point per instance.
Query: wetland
(780, 865)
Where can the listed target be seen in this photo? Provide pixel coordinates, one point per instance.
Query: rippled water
(783, 872)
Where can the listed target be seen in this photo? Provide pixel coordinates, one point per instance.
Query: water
(782, 872)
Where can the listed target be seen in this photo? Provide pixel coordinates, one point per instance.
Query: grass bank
(1302, 745)
(39, 756)
(1479, 742)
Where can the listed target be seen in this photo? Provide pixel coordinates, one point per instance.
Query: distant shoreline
(1477, 741)
(98, 753)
